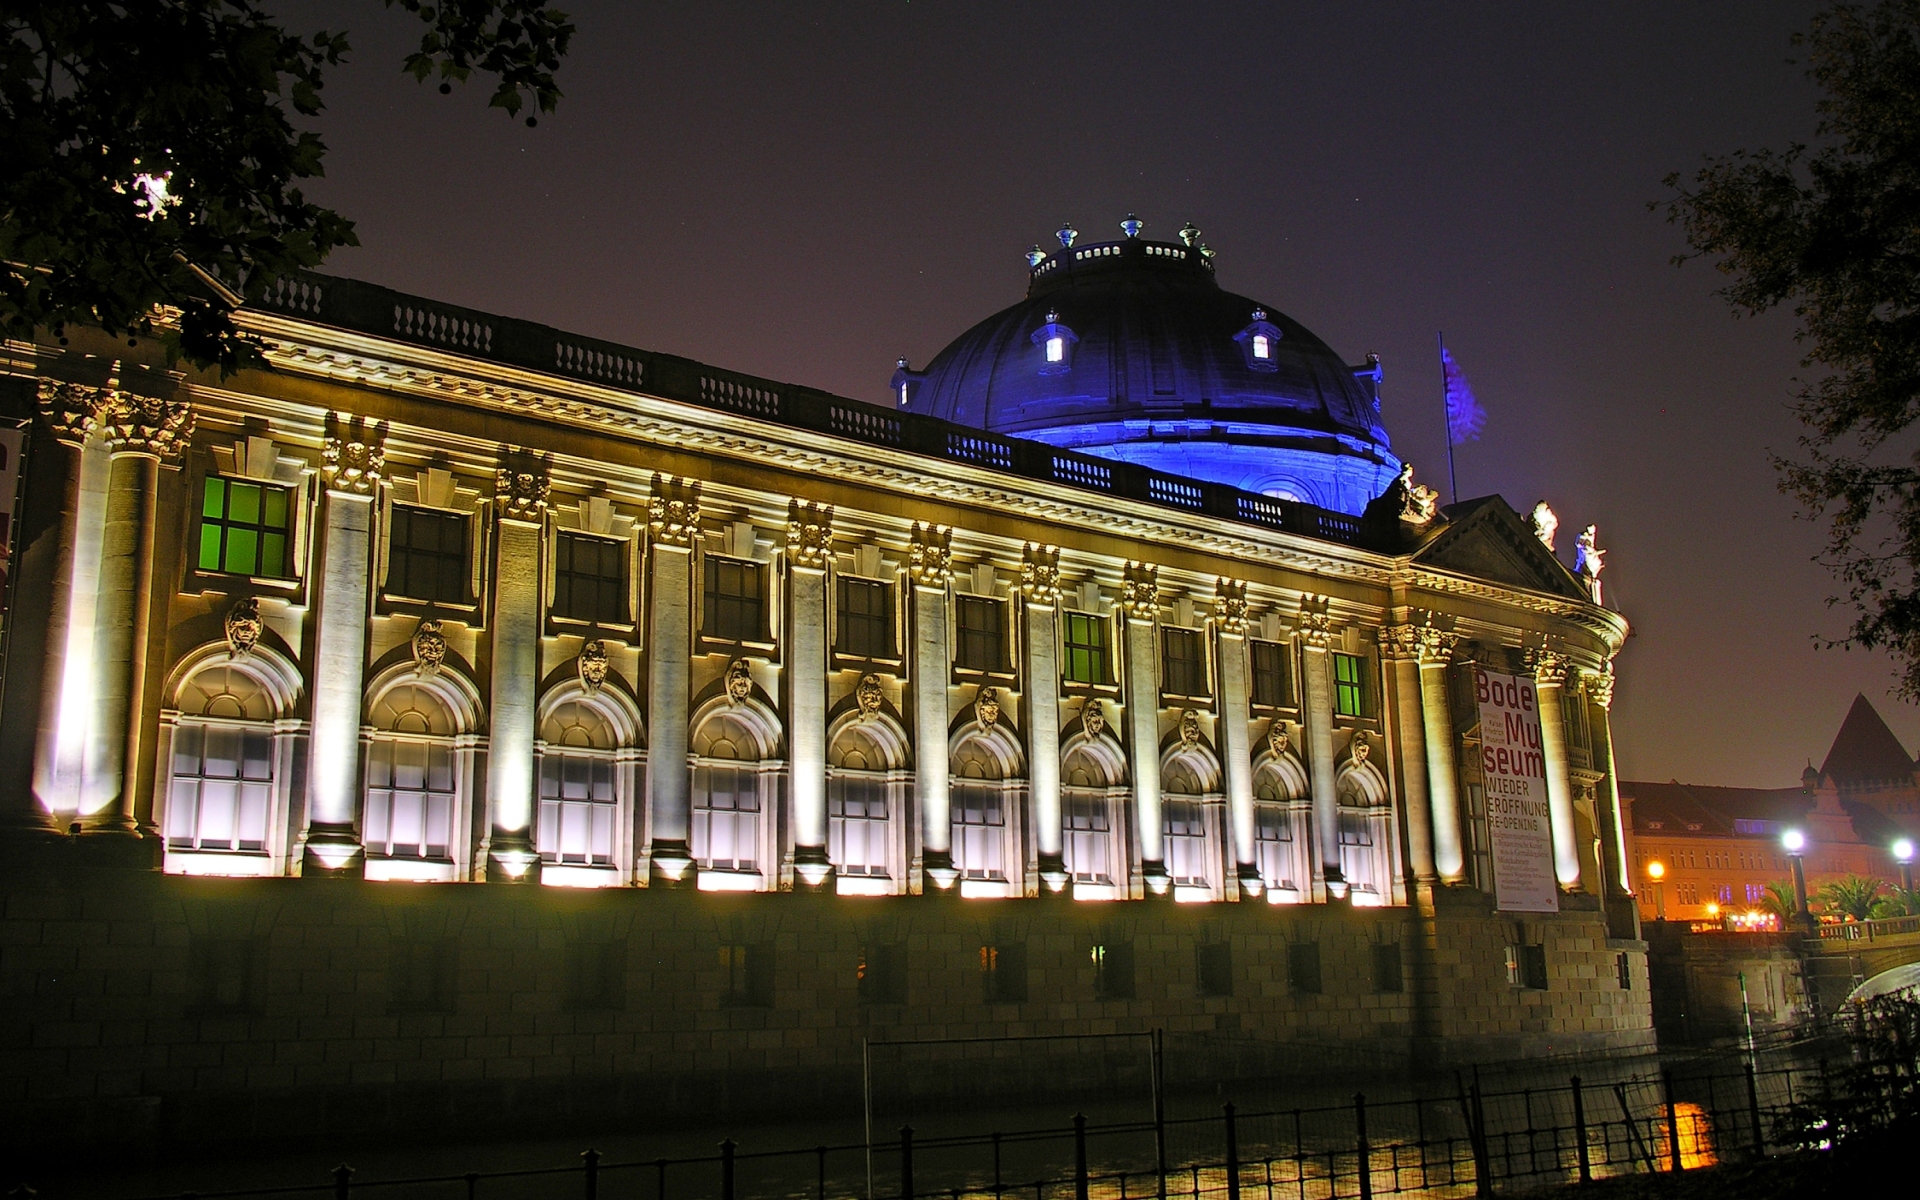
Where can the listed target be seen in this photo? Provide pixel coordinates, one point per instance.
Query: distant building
(1720, 846)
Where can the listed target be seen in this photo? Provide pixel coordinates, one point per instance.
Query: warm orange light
(1713, 910)
(1656, 870)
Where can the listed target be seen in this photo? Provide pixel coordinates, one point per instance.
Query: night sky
(807, 195)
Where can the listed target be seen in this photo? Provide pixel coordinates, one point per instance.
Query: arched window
(1087, 812)
(863, 752)
(1364, 817)
(979, 814)
(1280, 817)
(412, 785)
(726, 795)
(220, 791)
(578, 800)
(1189, 774)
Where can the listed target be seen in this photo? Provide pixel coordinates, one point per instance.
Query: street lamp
(1657, 871)
(1795, 843)
(1903, 854)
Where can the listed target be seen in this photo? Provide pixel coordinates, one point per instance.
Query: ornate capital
(1436, 645)
(145, 424)
(809, 534)
(69, 409)
(930, 555)
(1316, 621)
(521, 489)
(1600, 686)
(1040, 574)
(1140, 591)
(355, 458)
(673, 512)
(592, 665)
(1549, 667)
(1230, 606)
(1399, 641)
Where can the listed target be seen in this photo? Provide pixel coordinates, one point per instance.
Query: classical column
(1550, 678)
(45, 568)
(1436, 655)
(1600, 690)
(930, 566)
(809, 545)
(355, 462)
(1316, 641)
(141, 432)
(520, 494)
(1230, 620)
(1140, 602)
(1400, 647)
(673, 522)
(1040, 681)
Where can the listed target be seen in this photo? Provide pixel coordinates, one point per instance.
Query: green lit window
(246, 528)
(1349, 686)
(1086, 649)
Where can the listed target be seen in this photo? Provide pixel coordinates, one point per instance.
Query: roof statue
(1588, 561)
(1418, 502)
(1131, 350)
(1545, 523)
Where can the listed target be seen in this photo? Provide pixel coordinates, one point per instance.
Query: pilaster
(809, 547)
(354, 465)
(1040, 683)
(1435, 649)
(520, 499)
(1230, 623)
(673, 522)
(1400, 647)
(1140, 602)
(1549, 680)
(1316, 643)
(930, 567)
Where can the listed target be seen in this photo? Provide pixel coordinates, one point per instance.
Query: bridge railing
(1867, 931)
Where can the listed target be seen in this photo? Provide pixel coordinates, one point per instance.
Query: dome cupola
(1131, 350)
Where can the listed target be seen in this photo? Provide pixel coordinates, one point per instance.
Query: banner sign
(1515, 769)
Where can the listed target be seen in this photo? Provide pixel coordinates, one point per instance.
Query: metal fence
(1467, 1143)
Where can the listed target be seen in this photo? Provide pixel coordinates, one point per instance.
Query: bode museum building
(1124, 599)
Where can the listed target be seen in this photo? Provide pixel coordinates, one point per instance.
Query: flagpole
(1446, 419)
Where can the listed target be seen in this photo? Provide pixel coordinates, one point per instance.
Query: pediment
(1489, 541)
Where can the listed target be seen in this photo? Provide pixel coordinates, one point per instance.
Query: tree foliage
(1855, 896)
(149, 157)
(1778, 899)
(1834, 230)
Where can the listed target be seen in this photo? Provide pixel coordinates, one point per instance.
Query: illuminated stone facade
(446, 597)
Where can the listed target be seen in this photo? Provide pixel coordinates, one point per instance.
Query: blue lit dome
(1131, 350)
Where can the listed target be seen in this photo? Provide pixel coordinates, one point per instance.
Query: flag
(1465, 417)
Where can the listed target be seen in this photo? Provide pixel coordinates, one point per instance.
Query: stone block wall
(143, 1007)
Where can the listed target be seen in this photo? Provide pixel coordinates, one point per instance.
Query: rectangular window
(246, 528)
(596, 978)
(222, 788)
(1085, 651)
(427, 556)
(1113, 971)
(577, 808)
(1215, 969)
(736, 600)
(1350, 697)
(865, 625)
(1272, 680)
(979, 831)
(1184, 825)
(726, 819)
(1386, 968)
(1183, 664)
(883, 974)
(410, 798)
(420, 974)
(746, 974)
(1303, 968)
(857, 825)
(1273, 844)
(982, 624)
(1623, 972)
(228, 971)
(1003, 973)
(1527, 967)
(1088, 835)
(590, 579)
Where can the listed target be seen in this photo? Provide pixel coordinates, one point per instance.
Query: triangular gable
(1865, 749)
(1487, 540)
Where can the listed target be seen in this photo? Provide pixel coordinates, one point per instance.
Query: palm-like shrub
(1852, 896)
(1778, 900)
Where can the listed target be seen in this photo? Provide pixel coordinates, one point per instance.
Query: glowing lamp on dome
(1794, 841)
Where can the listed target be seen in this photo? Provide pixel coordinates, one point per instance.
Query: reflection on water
(1696, 1137)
